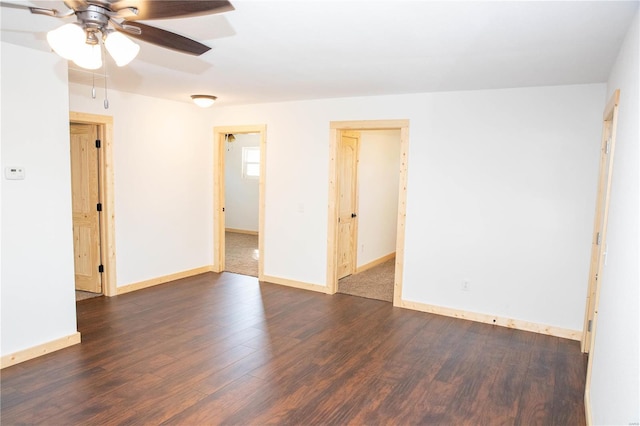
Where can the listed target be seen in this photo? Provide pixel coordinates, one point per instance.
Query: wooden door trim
(219, 192)
(332, 229)
(610, 118)
(610, 122)
(106, 191)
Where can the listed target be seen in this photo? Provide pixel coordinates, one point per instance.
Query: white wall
(378, 177)
(500, 192)
(242, 195)
(163, 159)
(37, 289)
(615, 371)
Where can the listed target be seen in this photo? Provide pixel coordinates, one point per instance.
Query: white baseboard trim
(241, 231)
(39, 350)
(162, 280)
(375, 263)
(295, 284)
(492, 319)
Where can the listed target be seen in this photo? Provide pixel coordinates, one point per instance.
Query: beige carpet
(374, 283)
(241, 253)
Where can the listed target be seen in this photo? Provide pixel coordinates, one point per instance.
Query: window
(250, 162)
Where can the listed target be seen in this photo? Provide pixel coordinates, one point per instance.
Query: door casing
(336, 127)
(599, 238)
(598, 248)
(219, 193)
(104, 125)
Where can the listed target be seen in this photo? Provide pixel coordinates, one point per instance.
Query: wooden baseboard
(295, 284)
(492, 319)
(375, 263)
(165, 279)
(241, 231)
(39, 350)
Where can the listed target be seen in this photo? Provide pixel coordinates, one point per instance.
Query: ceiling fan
(109, 20)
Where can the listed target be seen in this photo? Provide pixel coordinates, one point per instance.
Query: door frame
(336, 127)
(598, 251)
(104, 124)
(219, 133)
(609, 123)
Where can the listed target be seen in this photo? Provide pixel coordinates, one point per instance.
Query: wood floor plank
(226, 349)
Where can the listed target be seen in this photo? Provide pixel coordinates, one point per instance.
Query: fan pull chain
(104, 61)
(93, 85)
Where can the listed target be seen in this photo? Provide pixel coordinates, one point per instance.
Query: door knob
(353, 215)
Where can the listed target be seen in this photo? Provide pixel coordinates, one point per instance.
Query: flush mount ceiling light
(203, 101)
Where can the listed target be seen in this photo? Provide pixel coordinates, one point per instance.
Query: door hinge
(101, 268)
(607, 147)
(97, 143)
(598, 239)
(589, 326)
(223, 209)
(99, 207)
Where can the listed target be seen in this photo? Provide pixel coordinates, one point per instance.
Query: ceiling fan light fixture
(203, 101)
(67, 41)
(89, 57)
(121, 48)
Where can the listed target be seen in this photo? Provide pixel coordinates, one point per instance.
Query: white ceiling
(266, 51)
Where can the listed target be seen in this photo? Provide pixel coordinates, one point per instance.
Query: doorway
(247, 147)
(342, 246)
(91, 163)
(599, 240)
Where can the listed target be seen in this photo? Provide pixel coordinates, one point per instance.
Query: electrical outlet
(465, 285)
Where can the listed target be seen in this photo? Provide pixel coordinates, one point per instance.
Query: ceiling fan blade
(162, 38)
(76, 4)
(13, 5)
(38, 10)
(166, 9)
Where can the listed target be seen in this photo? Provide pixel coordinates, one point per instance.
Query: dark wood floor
(218, 349)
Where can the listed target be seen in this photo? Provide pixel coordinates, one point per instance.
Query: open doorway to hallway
(239, 181)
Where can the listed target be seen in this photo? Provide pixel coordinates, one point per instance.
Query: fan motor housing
(94, 17)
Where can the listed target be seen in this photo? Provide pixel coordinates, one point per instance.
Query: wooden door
(598, 245)
(85, 200)
(347, 202)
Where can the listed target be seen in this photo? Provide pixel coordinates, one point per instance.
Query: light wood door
(347, 202)
(85, 200)
(598, 245)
